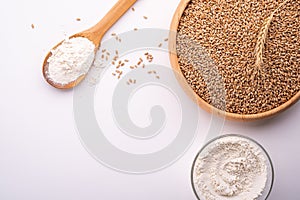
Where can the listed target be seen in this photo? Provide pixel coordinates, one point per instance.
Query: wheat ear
(262, 36)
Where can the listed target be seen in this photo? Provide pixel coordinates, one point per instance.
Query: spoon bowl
(95, 35)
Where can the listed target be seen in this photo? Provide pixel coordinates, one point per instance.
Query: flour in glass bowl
(231, 168)
(70, 60)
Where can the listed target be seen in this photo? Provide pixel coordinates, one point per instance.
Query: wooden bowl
(202, 103)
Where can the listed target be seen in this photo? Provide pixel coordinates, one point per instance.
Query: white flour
(230, 168)
(70, 60)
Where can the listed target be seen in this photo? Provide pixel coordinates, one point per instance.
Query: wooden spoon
(95, 35)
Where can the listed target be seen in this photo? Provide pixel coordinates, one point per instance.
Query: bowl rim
(269, 160)
(202, 103)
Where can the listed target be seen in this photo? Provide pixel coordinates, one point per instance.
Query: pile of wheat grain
(254, 45)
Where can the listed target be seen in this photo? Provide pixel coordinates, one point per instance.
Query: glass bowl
(270, 170)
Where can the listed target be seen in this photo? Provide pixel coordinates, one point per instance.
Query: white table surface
(41, 156)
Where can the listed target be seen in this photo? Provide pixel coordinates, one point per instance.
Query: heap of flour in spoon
(70, 60)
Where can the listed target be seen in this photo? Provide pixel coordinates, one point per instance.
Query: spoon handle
(116, 12)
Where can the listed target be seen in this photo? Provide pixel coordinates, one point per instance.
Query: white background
(41, 156)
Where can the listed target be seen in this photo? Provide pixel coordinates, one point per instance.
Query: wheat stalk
(262, 36)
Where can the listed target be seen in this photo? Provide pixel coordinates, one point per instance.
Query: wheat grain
(229, 38)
